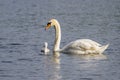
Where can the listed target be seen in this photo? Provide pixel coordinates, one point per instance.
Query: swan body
(80, 46)
(45, 50)
(84, 46)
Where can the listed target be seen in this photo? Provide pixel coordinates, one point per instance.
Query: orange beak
(48, 26)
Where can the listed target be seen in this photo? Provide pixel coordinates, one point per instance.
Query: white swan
(45, 50)
(80, 46)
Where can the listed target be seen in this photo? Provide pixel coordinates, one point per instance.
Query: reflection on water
(53, 72)
(56, 54)
(90, 56)
(56, 72)
(56, 57)
(84, 66)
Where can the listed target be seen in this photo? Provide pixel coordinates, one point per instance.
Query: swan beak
(48, 26)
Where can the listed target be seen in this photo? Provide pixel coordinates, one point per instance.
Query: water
(22, 36)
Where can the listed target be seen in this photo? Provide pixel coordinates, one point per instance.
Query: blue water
(22, 36)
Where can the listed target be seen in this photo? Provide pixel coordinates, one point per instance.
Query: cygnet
(45, 50)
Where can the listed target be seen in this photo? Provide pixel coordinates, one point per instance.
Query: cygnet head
(46, 45)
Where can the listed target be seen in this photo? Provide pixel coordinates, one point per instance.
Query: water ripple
(6, 61)
(25, 59)
(15, 44)
(86, 79)
(3, 46)
(3, 75)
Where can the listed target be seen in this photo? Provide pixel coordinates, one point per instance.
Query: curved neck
(46, 45)
(57, 36)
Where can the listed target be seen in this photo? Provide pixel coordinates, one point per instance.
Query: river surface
(22, 36)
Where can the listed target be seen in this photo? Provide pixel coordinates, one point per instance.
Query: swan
(45, 50)
(80, 46)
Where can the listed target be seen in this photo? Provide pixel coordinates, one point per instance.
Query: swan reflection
(56, 67)
(90, 56)
(51, 66)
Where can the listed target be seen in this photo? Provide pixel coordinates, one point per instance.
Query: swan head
(50, 23)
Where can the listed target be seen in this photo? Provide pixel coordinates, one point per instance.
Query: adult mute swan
(45, 50)
(80, 46)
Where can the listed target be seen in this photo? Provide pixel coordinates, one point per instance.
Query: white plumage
(80, 46)
(45, 50)
(84, 46)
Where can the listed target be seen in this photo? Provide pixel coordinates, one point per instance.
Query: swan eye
(48, 25)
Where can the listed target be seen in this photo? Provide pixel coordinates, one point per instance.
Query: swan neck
(57, 36)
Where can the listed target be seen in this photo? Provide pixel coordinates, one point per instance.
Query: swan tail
(103, 48)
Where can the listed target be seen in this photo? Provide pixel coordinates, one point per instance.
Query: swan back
(84, 46)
